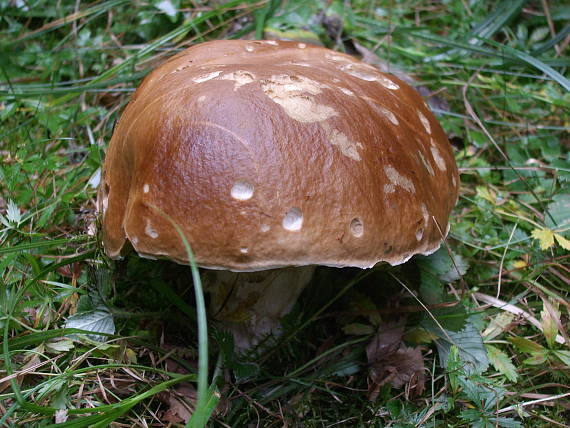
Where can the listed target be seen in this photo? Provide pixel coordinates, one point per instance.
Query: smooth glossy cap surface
(270, 154)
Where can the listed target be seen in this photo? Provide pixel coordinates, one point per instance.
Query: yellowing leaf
(545, 237)
(502, 362)
(526, 345)
(519, 264)
(485, 193)
(498, 325)
(536, 360)
(562, 241)
(550, 320)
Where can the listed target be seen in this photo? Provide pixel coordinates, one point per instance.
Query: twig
(530, 403)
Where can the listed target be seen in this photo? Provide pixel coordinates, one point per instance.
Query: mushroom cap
(270, 154)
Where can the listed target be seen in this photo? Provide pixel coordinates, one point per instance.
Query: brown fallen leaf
(392, 362)
(180, 402)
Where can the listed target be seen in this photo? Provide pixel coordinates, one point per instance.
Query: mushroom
(274, 157)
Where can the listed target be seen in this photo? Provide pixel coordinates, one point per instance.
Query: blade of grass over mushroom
(204, 405)
(29, 90)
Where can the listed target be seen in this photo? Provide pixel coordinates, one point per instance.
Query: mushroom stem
(251, 304)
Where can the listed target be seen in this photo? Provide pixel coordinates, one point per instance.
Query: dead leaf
(386, 341)
(180, 402)
(392, 362)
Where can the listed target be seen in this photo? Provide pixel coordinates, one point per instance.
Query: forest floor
(475, 335)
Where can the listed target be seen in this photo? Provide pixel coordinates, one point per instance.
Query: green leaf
(469, 344)
(99, 320)
(563, 356)
(539, 34)
(501, 362)
(452, 317)
(498, 325)
(431, 288)
(559, 212)
(526, 345)
(545, 68)
(484, 395)
(443, 266)
(536, 359)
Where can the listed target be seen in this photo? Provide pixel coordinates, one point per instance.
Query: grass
(89, 343)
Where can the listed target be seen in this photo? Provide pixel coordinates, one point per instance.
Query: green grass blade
(43, 244)
(202, 412)
(524, 57)
(161, 41)
(58, 23)
(262, 15)
(497, 19)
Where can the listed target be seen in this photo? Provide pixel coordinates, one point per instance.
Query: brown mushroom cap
(270, 154)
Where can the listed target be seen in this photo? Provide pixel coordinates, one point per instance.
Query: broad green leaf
(501, 362)
(443, 266)
(539, 34)
(431, 288)
(451, 317)
(99, 320)
(481, 392)
(558, 217)
(469, 344)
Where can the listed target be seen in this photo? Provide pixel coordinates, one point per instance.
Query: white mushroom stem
(251, 304)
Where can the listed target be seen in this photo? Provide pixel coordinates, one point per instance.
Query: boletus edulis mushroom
(274, 157)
